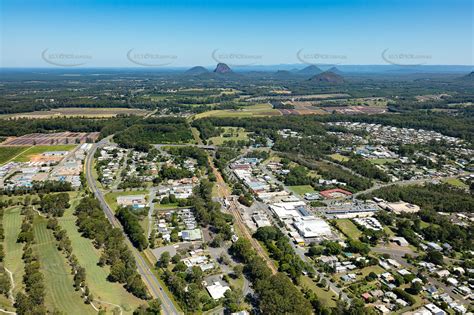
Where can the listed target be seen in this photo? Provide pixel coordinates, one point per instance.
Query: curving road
(148, 277)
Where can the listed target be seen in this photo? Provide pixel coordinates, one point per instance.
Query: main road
(147, 275)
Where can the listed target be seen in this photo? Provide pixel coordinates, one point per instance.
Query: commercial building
(191, 235)
(135, 201)
(310, 227)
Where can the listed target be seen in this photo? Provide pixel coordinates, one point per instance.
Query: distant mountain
(327, 77)
(468, 77)
(335, 70)
(222, 68)
(283, 73)
(196, 70)
(310, 70)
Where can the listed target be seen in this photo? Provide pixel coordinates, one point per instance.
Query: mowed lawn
(13, 250)
(38, 149)
(96, 276)
(60, 293)
(339, 157)
(348, 228)
(325, 296)
(258, 110)
(456, 182)
(230, 133)
(302, 189)
(8, 153)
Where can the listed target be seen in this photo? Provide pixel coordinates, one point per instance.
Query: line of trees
(45, 187)
(93, 224)
(32, 300)
(132, 227)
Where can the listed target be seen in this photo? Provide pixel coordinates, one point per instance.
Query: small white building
(217, 290)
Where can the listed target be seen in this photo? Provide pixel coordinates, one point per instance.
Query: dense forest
(437, 197)
(154, 131)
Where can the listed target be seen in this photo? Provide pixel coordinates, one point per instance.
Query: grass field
(78, 112)
(237, 134)
(38, 149)
(248, 111)
(456, 182)
(8, 153)
(60, 293)
(302, 189)
(13, 250)
(326, 297)
(382, 161)
(111, 198)
(88, 257)
(339, 157)
(348, 228)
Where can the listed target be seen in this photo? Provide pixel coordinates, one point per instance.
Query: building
(311, 227)
(434, 309)
(217, 290)
(191, 235)
(400, 207)
(135, 201)
(260, 220)
(287, 210)
(401, 241)
(350, 210)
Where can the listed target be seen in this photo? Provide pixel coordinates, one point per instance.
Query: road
(148, 277)
(202, 146)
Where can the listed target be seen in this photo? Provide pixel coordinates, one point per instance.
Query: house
(401, 241)
(401, 302)
(382, 308)
(404, 272)
(452, 281)
(443, 273)
(393, 263)
(391, 295)
(366, 296)
(217, 290)
(434, 309)
(434, 246)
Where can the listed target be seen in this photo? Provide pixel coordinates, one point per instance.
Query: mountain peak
(197, 70)
(327, 77)
(310, 70)
(222, 68)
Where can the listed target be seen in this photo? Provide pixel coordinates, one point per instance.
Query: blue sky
(40, 33)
